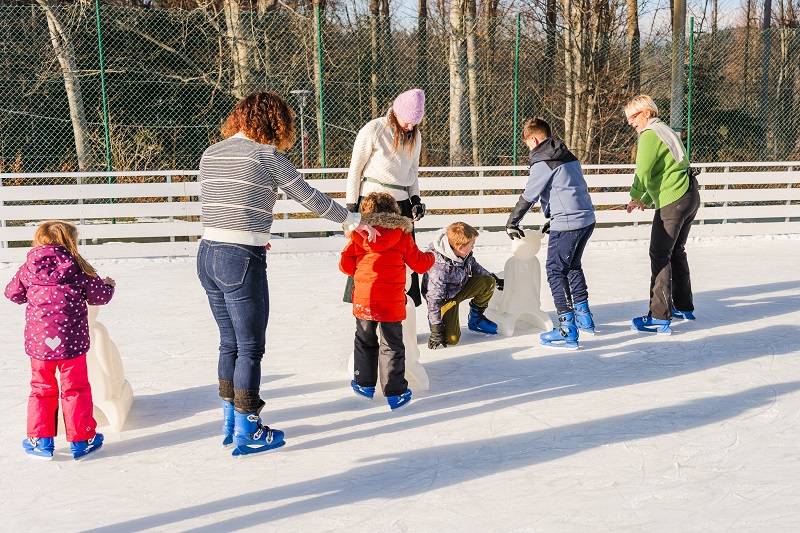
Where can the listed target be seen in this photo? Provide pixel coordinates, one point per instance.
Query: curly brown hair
(264, 117)
(379, 202)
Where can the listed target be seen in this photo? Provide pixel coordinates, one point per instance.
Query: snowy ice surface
(698, 431)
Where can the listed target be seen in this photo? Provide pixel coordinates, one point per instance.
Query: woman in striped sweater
(239, 181)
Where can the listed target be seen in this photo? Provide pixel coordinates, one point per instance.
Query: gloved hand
(546, 228)
(353, 208)
(437, 337)
(417, 208)
(514, 231)
(498, 282)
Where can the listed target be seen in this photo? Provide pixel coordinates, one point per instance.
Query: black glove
(512, 226)
(437, 337)
(546, 228)
(417, 208)
(498, 282)
(514, 231)
(353, 208)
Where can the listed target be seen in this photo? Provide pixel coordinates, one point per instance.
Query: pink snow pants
(76, 399)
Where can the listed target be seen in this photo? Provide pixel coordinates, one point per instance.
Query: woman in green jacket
(662, 179)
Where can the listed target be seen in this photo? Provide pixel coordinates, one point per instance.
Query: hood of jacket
(391, 228)
(553, 152)
(51, 265)
(441, 245)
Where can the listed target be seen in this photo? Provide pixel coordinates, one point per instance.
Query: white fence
(163, 219)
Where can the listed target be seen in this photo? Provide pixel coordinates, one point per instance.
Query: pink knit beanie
(410, 106)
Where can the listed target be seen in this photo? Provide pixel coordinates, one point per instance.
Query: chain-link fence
(168, 78)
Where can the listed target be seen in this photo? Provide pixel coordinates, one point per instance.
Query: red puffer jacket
(379, 268)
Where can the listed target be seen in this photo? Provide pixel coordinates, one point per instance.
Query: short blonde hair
(536, 127)
(460, 233)
(379, 202)
(640, 103)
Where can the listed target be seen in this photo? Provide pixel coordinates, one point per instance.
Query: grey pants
(670, 282)
(386, 353)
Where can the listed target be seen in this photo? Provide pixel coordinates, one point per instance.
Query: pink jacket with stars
(56, 291)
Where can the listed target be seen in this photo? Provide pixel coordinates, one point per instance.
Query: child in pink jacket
(57, 284)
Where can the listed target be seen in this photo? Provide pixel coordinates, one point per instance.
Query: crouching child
(456, 276)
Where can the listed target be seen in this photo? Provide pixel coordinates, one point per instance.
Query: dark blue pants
(564, 270)
(234, 277)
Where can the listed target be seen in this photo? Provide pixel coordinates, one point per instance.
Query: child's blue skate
(83, 448)
(227, 423)
(583, 318)
(565, 336)
(477, 321)
(251, 436)
(365, 392)
(682, 315)
(41, 447)
(648, 324)
(396, 402)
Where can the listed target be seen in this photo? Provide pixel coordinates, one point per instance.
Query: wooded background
(146, 85)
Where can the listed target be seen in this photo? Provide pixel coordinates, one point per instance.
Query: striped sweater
(239, 181)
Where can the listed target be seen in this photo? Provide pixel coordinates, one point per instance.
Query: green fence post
(321, 89)
(516, 91)
(103, 85)
(104, 95)
(691, 83)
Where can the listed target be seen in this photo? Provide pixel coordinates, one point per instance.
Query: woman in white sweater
(386, 159)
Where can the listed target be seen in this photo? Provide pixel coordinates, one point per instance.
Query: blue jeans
(234, 277)
(564, 270)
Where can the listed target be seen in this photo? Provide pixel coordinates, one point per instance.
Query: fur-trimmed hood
(389, 221)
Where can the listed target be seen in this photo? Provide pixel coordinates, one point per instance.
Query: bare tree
(457, 63)
(65, 53)
(472, 76)
(238, 44)
(786, 121)
(634, 45)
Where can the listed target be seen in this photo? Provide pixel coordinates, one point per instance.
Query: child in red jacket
(379, 298)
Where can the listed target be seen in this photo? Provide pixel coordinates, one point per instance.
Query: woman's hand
(367, 231)
(633, 204)
(109, 281)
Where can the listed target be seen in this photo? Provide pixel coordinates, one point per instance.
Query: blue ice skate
(478, 322)
(564, 336)
(227, 423)
(682, 315)
(648, 324)
(396, 402)
(83, 448)
(251, 436)
(583, 318)
(41, 447)
(366, 392)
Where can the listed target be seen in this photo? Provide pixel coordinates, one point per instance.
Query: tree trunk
(318, 73)
(457, 68)
(634, 46)
(374, 35)
(239, 49)
(65, 53)
(472, 76)
(422, 45)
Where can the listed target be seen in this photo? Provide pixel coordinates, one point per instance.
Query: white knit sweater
(374, 157)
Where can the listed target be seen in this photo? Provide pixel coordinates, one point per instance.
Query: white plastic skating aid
(521, 295)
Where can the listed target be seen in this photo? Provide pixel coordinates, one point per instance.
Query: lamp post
(302, 94)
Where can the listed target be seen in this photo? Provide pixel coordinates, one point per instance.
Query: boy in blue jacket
(455, 277)
(556, 179)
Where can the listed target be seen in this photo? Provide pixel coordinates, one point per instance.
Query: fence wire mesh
(171, 77)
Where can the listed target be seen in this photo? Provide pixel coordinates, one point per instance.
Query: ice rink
(698, 431)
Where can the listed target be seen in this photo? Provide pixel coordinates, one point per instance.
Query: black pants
(670, 282)
(413, 291)
(384, 358)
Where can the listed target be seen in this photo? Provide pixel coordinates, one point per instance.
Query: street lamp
(302, 94)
